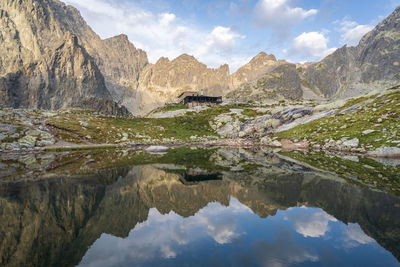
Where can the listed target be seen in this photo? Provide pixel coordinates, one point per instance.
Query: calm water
(198, 207)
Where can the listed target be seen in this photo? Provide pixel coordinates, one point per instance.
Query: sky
(231, 32)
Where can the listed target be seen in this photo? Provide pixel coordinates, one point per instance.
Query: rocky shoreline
(284, 145)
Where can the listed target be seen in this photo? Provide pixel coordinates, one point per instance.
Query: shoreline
(239, 143)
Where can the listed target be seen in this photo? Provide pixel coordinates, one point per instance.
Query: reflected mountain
(51, 215)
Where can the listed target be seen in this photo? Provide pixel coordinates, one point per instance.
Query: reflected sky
(234, 235)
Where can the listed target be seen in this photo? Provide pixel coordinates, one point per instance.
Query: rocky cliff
(163, 81)
(36, 73)
(350, 71)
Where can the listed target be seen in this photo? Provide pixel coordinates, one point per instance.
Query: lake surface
(198, 207)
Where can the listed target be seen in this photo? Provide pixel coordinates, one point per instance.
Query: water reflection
(194, 207)
(238, 236)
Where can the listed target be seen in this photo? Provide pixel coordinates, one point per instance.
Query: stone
(7, 128)
(384, 151)
(353, 143)
(272, 123)
(242, 134)
(28, 141)
(276, 143)
(289, 145)
(10, 146)
(367, 132)
(44, 143)
(3, 136)
(84, 124)
(157, 149)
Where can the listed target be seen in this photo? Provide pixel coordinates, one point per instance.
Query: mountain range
(51, 59)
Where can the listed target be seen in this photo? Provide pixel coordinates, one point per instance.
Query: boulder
(386, 152)
(28, 141)
(353, 143)
(157, 149)
(272, 123)
(290, 145)
(7, 128)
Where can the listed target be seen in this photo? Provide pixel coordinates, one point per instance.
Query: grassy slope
(352, 123)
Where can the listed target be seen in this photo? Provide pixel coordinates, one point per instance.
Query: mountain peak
(185, 57)
(262, 56)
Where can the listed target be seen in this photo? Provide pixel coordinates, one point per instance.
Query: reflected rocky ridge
(52, 214)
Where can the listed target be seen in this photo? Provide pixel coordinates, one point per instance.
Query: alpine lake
(196, 206)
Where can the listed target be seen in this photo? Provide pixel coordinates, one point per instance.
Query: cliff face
(164, 81)
(257, 67)
(351, 71)
(35, 72)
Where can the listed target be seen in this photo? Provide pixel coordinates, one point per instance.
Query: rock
(61, 50)
(272, 123)
(28, 141)
(266, 140)
(276, 143)
(353, 143)
(28, 160)
(3, 136)
(10, 146)
(367, 132)
(7, 128)
(84, 124)
(386, 152)
(44, 143)
(125, 137)
(289, 145)
(157, 149)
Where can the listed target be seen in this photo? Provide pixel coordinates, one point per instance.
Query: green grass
(351, 125)
(172, 107)
(103, 129)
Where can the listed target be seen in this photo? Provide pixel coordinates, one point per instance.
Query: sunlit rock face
(54, 60)
(55, 217)
(163, 81)
(373, 64)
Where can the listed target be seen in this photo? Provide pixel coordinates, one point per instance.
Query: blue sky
(233, 31)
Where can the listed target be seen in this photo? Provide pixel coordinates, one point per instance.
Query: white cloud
(223, 38)
(279, 15)
(313, 223)
(166, 19)
(311, 44)
(351, 31)
(161, 34)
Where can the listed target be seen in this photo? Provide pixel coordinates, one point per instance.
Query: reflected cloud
(283, 251)
(166, 235)
(311, 223)
(355, 236)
